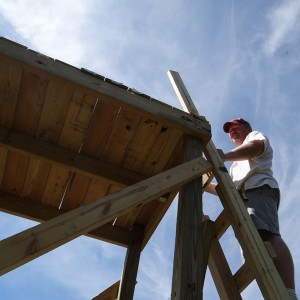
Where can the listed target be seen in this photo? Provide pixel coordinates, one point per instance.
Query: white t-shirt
(255, 172)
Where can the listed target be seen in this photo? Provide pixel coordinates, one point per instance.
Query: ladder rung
(243, 277)
(221, 224)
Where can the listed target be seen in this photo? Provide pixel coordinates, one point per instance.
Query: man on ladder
(253, 177)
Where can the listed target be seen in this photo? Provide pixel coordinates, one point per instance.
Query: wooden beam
(110, 293)
(76, 162)
(221, 224)
(32, 243)
(40, 212)
(208, 231)
(128, 280)
(106, 90)
(221, 273)
(243, 277)
(188, 257)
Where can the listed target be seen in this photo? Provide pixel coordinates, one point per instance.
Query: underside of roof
(69, 136)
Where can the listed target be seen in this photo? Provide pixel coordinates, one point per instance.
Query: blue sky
(237, 59)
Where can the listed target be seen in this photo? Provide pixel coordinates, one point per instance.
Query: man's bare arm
(246, 151)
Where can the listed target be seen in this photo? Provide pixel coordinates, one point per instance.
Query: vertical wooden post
(131, 264)
(187, 272)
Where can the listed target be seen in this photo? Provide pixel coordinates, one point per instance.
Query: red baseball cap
(237, 121)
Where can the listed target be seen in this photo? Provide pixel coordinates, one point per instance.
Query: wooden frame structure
(85, 155)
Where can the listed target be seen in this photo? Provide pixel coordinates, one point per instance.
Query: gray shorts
(262, 205)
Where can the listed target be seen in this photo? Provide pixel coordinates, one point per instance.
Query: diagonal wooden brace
(34, 242)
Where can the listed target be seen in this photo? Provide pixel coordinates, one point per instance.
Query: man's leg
(283, 262)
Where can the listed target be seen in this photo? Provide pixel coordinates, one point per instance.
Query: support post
(187, 272)
(131, 264)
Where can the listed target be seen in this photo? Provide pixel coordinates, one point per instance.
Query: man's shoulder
(255, 135)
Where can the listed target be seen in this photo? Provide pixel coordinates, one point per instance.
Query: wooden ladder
(258, 261)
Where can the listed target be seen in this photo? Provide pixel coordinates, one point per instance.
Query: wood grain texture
(31, 243)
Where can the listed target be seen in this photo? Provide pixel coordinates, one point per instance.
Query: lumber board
(97, 189)
(111, 293)
(77, 120)
(54, 111)
(243, 277)
(208, 230)
(36, 179)
(10, 79)
(155, 210)
(221, 273)
(161, 151)
(188, 255)
(56, 185)
(221, 224)
(76, 191)
(145, 136)
(100, 128)
(128, 280)
(195, 126)
(64, 158)
(13, 181)
(39, 212)
(123, 133)
(34, 242)
(31, 97)
(3, 156)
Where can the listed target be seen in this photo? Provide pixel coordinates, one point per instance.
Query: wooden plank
(100, 128)
(188, 256)
(13, 181)
(56, 185)
(153, 212)
(195, 126)
(254, 250)
(221, 224)
(243, 277)
(97, 189)
(122, 134)
(56, 155)
(161, 151)
(36, 179)
(3, 156)
(207, 237)
(140, 148)
(128, 280)
(54, 111)
(77, 120)
(76, 191)
(110, 293)
(30, 102)
(30, 244)
(10, 78)
(221, 273)
(39, 212)
(181, 92)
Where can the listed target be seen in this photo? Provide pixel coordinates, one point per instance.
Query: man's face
(238, 134)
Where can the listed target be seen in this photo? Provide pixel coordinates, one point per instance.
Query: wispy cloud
(284, 25)
(50, 27)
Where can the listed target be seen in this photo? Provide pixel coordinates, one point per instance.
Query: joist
(24, 144)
